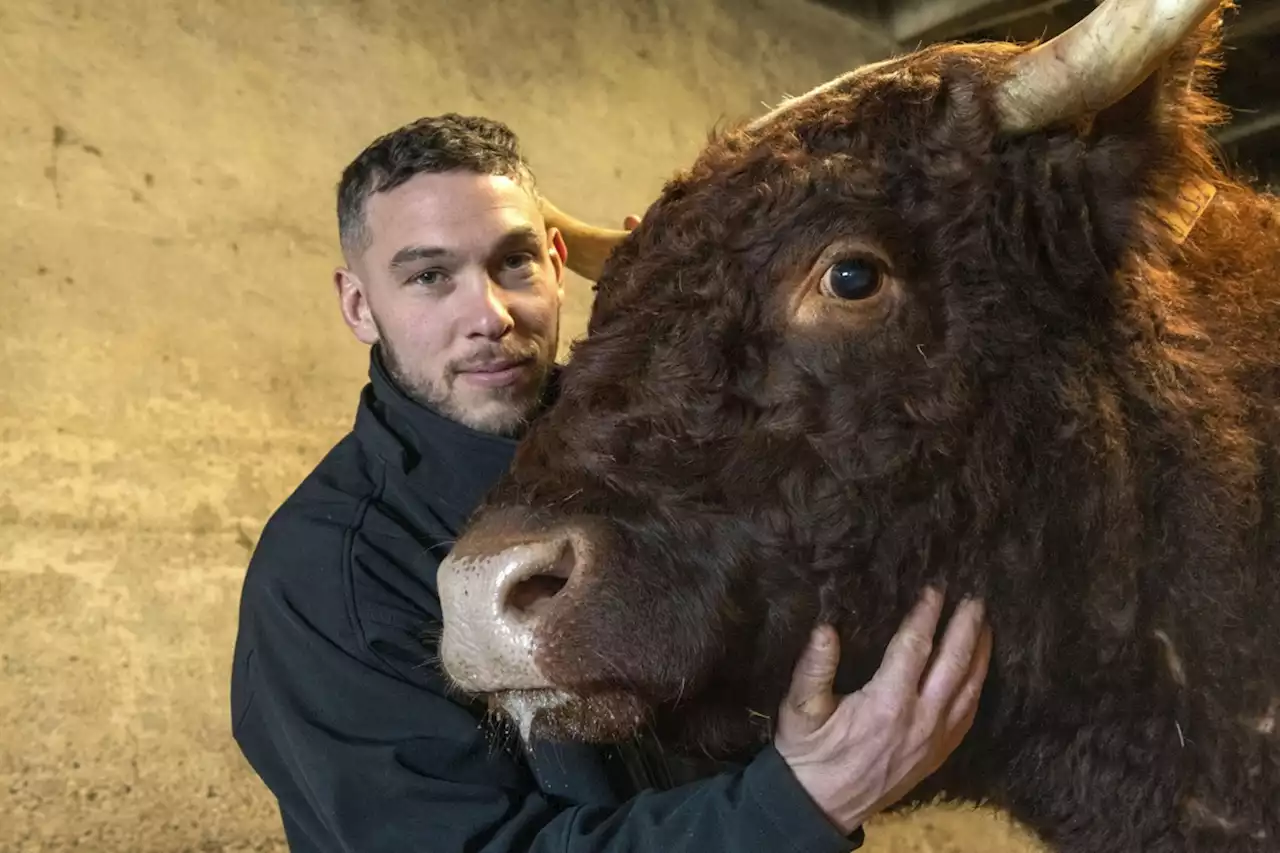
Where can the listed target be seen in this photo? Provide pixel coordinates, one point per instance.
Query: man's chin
(495, 418)
(498, 411)
(504, 410)
(560, 716)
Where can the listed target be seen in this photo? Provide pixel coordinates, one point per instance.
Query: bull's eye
(852, 278)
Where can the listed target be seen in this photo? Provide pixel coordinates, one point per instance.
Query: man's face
(461, 284)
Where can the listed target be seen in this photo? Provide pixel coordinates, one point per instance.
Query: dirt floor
(174, 361)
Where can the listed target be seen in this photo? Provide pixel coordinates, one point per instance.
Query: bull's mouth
(561, 715)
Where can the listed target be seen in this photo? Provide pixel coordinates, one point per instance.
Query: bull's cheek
(587, 649)
(719, 730)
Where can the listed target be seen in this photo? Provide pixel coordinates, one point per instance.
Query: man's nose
(487, 313)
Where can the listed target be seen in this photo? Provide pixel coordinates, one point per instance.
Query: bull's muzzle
(493, 601)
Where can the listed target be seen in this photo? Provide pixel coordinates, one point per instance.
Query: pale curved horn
(588, 245)
(1097, 62)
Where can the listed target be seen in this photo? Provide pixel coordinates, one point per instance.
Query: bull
(985, 316)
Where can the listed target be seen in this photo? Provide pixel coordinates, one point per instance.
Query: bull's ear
(1175, 91)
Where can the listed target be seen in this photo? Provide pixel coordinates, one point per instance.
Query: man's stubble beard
(519, 404)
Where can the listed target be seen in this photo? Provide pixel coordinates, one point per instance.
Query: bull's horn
(588, 245)
(1097, 62)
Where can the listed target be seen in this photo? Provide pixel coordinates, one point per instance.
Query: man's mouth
(495, 374)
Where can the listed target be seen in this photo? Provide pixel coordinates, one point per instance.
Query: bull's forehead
(755, 208)
(921, 66)
(857, 77)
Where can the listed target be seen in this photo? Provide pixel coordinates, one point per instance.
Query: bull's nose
(492, 604)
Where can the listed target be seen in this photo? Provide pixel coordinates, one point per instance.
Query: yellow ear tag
(1193, 198)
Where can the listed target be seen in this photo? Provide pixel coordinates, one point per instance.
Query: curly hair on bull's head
(956, 317)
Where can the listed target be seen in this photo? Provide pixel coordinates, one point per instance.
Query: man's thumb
(810, 701)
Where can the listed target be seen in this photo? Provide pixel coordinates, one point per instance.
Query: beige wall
(173, 360)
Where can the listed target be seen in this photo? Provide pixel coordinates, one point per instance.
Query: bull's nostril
(530, 597)
(527, 594)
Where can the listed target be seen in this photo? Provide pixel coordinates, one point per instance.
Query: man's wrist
(793, 810)
(831, 798)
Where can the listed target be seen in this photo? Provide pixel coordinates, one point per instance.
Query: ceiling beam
(1251, 20)
(913, 21)
(1240, 129)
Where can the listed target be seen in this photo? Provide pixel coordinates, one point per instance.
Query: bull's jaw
(562, 715)
(522, 706)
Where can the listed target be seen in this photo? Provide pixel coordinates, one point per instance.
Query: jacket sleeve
(363, 758)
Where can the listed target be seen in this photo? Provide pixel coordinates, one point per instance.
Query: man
(454, 279)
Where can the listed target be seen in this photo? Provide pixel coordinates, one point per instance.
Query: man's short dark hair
(441, 143)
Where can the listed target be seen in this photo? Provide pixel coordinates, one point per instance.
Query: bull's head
(819, 373)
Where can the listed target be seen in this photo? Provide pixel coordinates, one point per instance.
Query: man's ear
(559, 253)
(355, 305)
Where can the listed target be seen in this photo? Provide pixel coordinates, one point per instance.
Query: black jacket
(336, 704)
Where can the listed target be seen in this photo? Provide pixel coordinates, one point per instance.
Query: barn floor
(174, 362)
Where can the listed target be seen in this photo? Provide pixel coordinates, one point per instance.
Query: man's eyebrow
(409, 254)
(526, 233)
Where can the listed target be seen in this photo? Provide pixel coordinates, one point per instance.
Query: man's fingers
(955, 656)
(908, 653)
(810, 700)
(962, 711)
(631, 222)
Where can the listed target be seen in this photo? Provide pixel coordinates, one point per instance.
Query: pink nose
(493, 603)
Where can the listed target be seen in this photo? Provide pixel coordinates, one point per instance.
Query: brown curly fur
(1067, 412)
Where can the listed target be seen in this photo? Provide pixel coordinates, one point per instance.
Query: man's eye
(518, 260)
(428, 278)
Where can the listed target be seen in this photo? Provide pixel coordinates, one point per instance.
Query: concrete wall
(173, 358)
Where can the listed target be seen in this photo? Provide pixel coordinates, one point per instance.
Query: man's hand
(862, 753)
(586, 247)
